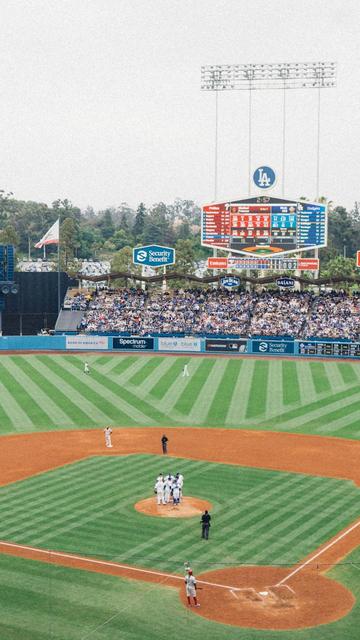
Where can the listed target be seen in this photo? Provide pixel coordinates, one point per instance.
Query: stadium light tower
(251, 77)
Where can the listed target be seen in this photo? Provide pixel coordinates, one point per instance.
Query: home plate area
(251, 597)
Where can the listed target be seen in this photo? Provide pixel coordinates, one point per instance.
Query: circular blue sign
(264, 177)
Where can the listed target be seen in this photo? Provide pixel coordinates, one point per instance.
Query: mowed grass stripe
(290, 383)
(222, 398)
(162, 386)
(259, 386)
(347, 372)
(337, 415)
(274, 397)
(12, 414)
(7, 419)
(89, 394)
(239, 401)
(93, 415)
(148, 367)
(316, 415)
(153, 378)
(195, 383)
(27, 402)
(71, 409)
(37, 505)
(117, 365)
(319, 376)
(135, 401)
(168, 402)
(312, 406)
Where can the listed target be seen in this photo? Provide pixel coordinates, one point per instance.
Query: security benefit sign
(154, 255)
(232, 346)
(277, 347)
(133, 343)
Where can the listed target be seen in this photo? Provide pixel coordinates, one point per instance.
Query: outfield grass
(44, 392)
(259, 516)
(41, 601)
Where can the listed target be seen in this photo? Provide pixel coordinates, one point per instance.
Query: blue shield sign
(154, 255)
(264, 177)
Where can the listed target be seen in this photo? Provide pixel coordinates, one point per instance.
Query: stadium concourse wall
(258, 345)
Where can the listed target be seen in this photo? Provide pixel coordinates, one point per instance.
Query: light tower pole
(253, 77)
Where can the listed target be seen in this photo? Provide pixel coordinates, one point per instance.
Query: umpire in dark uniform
(205, 525)
(164, 441)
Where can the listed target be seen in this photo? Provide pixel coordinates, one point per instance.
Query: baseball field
(272, 445)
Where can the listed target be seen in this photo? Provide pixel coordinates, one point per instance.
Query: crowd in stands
(222, 312)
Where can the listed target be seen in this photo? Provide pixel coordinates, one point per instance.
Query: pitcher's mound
(188, 508)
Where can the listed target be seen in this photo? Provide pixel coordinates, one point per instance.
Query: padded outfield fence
(257, 345)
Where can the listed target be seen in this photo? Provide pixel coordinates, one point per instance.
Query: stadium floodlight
(282, 75)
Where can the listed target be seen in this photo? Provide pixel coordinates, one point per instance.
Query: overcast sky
(101, 102)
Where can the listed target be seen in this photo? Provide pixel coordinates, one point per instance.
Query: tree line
(111, 233)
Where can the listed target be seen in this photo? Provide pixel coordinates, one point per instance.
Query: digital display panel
(341, 349)
(264, 226)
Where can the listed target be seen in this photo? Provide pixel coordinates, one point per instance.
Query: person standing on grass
(190, 588)
(86, 367)
(185, 373)
(205, 525)
(164, 441)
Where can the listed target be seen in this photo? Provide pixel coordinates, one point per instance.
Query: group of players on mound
(169, 488)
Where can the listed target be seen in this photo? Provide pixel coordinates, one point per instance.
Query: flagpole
(58, 279)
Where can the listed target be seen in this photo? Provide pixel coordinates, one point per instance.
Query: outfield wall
(259, 346)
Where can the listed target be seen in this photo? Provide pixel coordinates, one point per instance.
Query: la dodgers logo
(264, 177)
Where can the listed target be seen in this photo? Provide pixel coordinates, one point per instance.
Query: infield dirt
(317, 600)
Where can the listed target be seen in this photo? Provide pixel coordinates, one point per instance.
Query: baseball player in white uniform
(190, 588)
(176, 495)
(185, 373)
(86, 368)
(159, 488)
(167, 491)
(108, 432)
(180, 483)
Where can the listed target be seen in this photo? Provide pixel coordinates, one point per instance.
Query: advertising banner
(133, 343)
(234, 346)
(276, 347)
(262, 264)
(154, 255)
(87, 343)
(179, 344)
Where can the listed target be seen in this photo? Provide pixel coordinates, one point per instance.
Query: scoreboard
(340, 349)
(264, 225)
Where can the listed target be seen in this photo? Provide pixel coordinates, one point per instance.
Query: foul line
(319, 553)
(106, 563)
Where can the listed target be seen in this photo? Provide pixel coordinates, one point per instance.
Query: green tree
(9, 235)
(123, 261)
(157, 229)
(69, 239)
(106, 224)
(139, 224)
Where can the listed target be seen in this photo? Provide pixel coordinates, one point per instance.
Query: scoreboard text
(264, 225)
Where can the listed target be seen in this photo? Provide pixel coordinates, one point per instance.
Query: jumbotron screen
(264, 225)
